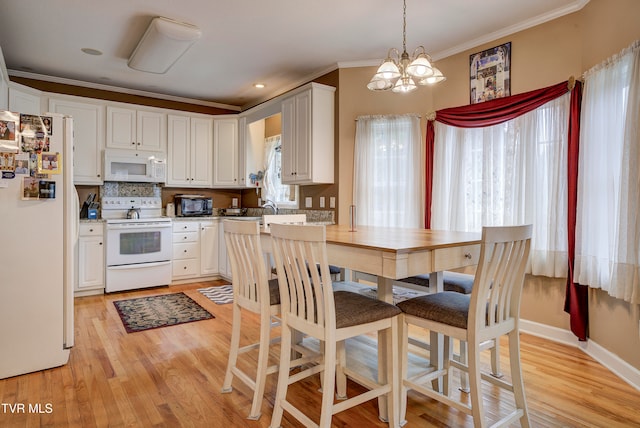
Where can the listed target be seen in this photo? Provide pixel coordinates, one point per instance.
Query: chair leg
(329, 379)
(393, 400)
(495, 359)
(446, 377)
(283, 376)
(261, 371)
(233, 348)
(475, 384)
(341, 378)
(516, 377)
(464, 376)
(404, 363)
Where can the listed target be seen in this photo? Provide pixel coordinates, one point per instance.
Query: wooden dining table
(391, 254)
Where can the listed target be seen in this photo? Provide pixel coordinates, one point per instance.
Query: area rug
(400, 294)
(145, 313)
(221, 294)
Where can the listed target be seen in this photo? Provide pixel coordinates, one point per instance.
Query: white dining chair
(310, 305)
(252, 292)
(491, 311)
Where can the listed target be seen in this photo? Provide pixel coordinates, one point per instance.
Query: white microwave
(135, 166)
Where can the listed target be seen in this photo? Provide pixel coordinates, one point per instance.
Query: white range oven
(138, 250)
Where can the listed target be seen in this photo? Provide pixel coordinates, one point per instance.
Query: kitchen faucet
(272, 205)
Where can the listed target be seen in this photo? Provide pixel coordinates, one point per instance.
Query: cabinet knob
(98, 175)
(185, 237)
(101, 243)
(185, 268)
(90, 230)
(133, 143)
(185, 251)
(138, 143)
(467, 256)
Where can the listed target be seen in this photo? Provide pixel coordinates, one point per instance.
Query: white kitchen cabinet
(88, 141)
(133, 129)
(228, 169)
(4, 83)
(190, 148)
(209, 248)
(90, 259)
(23, 99)
(186, 250)
(308, 135)
(195, 249)
(224, 267)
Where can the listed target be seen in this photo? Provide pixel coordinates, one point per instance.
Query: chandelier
(401, 72)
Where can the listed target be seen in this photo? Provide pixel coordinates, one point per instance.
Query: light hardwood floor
(171, 377)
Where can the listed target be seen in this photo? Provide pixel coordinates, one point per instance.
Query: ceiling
(281, 43)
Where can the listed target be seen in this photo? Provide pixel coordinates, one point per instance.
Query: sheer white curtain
(388, 182)
(507, 174)
(608, 208)
(272, 188)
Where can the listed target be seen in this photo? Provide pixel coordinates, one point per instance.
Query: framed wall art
(490, 74)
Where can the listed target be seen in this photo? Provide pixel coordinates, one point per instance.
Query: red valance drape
(501, 110)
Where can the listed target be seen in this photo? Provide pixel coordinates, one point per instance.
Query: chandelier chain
(404, 27)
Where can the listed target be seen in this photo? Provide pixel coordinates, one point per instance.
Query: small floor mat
(145, 313)
(221, 294)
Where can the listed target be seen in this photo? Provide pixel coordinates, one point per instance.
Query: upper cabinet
(88, 136)
(23, 99)
(133, 129)
(4, 83)
(308, 135)
(228, 165)
(190, 151)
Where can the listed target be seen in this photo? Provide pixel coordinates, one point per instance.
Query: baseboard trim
(617, 365)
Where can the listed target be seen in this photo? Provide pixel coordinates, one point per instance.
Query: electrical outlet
(332, 202)
(308, 202)
(321, 201)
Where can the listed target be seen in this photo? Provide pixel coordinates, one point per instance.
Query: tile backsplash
(117, 188)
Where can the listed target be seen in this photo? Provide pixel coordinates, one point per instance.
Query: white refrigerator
(38, 234)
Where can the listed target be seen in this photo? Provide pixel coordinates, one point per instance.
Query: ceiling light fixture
(402, 73)
(259, 85)
(164, 42)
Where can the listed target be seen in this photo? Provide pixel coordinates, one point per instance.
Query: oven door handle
(139, 265)
(131, 226)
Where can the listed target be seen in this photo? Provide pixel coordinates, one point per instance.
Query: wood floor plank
(172, 377)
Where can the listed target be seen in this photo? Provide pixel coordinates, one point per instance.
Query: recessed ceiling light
(90, 51)
(259, 85)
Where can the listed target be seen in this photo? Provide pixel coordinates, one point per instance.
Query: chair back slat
(306, 295)
(250, 280)
(495, 297)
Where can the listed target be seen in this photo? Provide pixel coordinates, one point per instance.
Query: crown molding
(103, 87)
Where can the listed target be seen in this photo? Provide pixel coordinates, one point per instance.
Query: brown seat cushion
(448, 307)
(452, 281)
(333, 270)
(354, 309)
(274, 292)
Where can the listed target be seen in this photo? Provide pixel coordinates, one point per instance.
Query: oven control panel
(114, 207)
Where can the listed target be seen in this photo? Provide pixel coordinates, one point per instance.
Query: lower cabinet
(90, 259)
(223, 258)
(195, 249)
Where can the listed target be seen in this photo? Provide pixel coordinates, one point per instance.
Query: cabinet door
(151, 131)
(303, 137)
(88, 140)
(208, 248)
(90, 262)
(201, 152)
(225, 152)
(121, 128)
(178, 142)
(288, 140)
(24, 101)
(224, 266)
